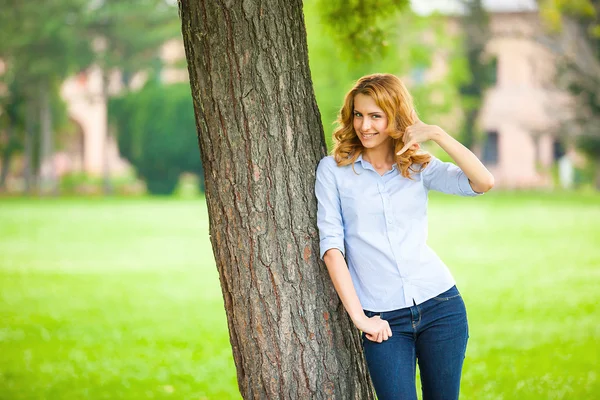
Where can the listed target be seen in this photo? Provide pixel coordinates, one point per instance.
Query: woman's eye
(376, 116)
(357, 114)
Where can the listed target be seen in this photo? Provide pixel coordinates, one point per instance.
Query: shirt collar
(362, 162)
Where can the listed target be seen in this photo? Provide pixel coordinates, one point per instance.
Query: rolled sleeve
(329, 212)
(447, 178)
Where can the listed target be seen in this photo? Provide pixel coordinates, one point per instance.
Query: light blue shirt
(379, 223)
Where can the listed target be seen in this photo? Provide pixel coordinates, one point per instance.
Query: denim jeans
(435, 334)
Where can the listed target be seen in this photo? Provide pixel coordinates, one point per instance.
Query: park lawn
(120, 298)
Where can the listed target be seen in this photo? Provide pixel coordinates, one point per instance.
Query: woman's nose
(366, 125)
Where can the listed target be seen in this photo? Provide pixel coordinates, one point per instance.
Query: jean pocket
(449, 294)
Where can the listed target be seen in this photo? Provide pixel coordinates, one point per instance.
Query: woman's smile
(368, 135)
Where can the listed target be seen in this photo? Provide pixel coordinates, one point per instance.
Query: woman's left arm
(480, 178)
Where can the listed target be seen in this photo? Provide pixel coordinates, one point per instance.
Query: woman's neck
(379, 157)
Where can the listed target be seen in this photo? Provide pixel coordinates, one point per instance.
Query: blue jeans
(435, 333)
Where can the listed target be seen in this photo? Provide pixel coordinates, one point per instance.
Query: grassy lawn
(120, 299)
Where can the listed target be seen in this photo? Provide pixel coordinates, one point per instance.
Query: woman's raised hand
(375, 328)
(417, 133)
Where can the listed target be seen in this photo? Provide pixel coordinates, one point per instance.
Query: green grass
(120, 299)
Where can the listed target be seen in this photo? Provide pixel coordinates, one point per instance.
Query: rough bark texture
(261, 138)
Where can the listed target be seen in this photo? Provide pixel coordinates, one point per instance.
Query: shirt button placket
(389, 220)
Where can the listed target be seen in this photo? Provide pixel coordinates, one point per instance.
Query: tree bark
(261, 138)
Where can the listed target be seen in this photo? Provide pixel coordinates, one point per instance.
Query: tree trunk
(468, 139)
(261, 138)
(597, 175)
(106, 183)
(7, 155)
(29, 134)
(48, 177)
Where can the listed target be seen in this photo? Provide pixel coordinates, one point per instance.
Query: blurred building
(522, 112)
(87, 108)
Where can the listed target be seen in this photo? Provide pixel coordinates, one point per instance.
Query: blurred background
(108, 287)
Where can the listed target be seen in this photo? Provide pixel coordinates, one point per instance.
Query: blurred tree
(127, 36)
(157, 134)
(481, 67)
(10, 124)
(38, 53)
(578, 49)
(42, 43)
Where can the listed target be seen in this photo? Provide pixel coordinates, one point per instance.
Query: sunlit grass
(120, 299)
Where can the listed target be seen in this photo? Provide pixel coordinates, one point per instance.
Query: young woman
(372, 219)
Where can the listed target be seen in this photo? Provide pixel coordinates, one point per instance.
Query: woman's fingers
(383, 331)
(406, 147)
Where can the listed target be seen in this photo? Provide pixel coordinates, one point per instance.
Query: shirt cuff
(331, 243)
(465, 186)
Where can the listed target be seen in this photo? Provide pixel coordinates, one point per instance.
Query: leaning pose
(372, 219)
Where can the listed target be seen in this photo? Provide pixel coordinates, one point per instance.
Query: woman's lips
(369, 136)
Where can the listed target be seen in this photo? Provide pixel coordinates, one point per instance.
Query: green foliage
(156, 133)
(590, 144)
(360, 27)
(80, 183)
(129, 35)
(396, 41)
(552, 12)
(580, 76)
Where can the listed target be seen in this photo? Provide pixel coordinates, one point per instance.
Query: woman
(372, 200)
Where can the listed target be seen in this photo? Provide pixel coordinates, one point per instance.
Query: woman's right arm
(331, 237)
(375, 328)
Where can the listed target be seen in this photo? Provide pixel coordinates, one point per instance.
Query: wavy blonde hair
(393, 98)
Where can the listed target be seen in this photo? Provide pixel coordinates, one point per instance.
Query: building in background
(522, 112)
(87, 109)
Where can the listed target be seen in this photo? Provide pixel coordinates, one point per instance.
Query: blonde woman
(372, 219)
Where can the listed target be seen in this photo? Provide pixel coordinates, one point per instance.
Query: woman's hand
(375, 328)
(417, 133)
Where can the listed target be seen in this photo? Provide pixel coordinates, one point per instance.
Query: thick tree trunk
(261, 138)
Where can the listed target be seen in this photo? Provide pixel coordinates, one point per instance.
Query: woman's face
(370, 122)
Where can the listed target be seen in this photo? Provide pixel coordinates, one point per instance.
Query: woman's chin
(369, 144)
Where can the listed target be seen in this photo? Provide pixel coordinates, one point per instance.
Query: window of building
(558, 149)
(490, 148)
